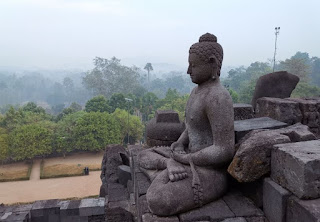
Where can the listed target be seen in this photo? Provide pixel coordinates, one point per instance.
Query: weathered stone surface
(257, 219)
(124, 174)
(310, 113)
(142, 183)
(142, 206)
(118, 214)
(295, 166)
(15, 217)
(275, 201)
(303, 210)
(165, 127)
(110, 162)
(117, 192)
(277, 85)
(214, 211)
(91, 206)
(252, 190)
(241, 206)
(242, 127)
(236, 219)
(252, 159)
(287, 111)
(243, 111)
(148, 217)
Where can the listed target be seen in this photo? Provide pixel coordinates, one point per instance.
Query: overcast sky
(70, 33)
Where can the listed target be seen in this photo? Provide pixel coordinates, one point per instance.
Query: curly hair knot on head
(208, 47)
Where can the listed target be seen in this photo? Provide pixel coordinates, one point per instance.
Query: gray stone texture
(243, 111)
(110, 163)
(148, 217)
(277, 85)
(283, 110)
(275, 200)
(91, 206)
(240, 205)
(142, 183)
(214, 211)
(303, 210)
(242, 127)
(295, 166)
(124, 174)
(310, 113)
(252, 159)
(235, 219)
(117, 192)
(164, 129)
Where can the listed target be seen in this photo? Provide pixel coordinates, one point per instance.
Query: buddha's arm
(181, 143)
(220, 115)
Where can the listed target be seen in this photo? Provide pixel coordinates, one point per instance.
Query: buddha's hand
(176, 170)
(178, 148)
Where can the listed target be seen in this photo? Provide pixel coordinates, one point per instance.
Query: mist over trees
(86, 111)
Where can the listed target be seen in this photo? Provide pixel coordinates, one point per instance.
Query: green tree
(32, 107)
(28, 141)
(303, 89)
(135, 126)
(297, 66)
(109, 77)
(97, 104)
(95, 130)
(4, 148)
(64, 141)
(234, 95)
(315, 70)
(149, 68)
(117, 100)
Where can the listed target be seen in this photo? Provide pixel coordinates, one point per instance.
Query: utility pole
(128, 100)
(275, 46)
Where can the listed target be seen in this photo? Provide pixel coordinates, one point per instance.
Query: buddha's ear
(213, 60)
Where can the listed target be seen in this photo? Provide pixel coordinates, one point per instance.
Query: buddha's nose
(189, 69)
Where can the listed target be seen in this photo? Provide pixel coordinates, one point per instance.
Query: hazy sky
(70, 33)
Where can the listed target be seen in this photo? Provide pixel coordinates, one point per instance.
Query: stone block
(277, 84)
(252, 190)
(91, 206)
(142, 206)
(243, 111)
(235, 219)
(124, 174)
(295, 166)
(73, 208)
(214, 211)
(252, 159)
(303, 210)
(148, 217)
(275, 201)
(242, 127)
(37, 209)
(142, 183)
(241, 206)
(257, 219)
(114, 213)
(15, 217)
(279, 109)
(117, 192)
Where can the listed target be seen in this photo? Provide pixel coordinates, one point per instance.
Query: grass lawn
(15, 172)
(65, 170)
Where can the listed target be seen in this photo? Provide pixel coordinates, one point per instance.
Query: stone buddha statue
(192, 172)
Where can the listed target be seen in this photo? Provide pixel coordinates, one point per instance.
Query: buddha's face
(199, 70)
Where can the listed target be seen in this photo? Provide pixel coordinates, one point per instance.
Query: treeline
(241, 81)
(29, 131)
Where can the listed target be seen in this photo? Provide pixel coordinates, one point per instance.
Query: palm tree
(149, 68)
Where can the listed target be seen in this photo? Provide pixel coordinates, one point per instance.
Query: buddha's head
(205, 59)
